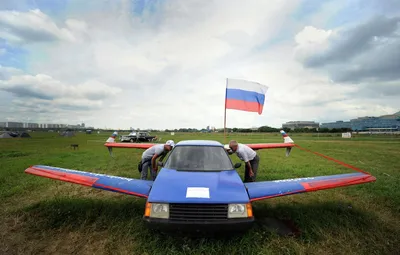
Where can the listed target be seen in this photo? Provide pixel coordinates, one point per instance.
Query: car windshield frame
(168, 163)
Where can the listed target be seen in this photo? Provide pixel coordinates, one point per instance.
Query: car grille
(198, 212)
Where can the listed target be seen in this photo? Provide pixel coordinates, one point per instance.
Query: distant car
(137, 136)
(13, 134)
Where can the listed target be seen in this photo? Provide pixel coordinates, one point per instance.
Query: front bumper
(235, 225)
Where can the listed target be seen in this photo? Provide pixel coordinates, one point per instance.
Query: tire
(131, 140)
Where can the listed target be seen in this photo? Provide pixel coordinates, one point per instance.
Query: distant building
(53, 126)
(14, 124)
(300, 124)
(31, 125)
(384, 122)
(6, 124)
(338, 124)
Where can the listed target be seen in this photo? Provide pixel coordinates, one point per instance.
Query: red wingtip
(335, 183)
(67, 177)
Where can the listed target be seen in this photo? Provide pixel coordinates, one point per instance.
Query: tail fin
(287, 139)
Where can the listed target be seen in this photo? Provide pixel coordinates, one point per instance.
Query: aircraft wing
(130, 145)
(271, 189)
(288, 143)
(134, 187)
(258, 146)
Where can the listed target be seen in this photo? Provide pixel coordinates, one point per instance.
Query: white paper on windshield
(197, 192)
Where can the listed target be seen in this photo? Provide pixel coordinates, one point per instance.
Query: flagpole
(225, 112)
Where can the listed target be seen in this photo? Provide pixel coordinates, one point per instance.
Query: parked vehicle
(137, 136)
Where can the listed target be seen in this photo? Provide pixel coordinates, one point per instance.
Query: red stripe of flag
(243, 105)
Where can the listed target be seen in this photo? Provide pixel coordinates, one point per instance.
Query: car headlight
(237, 211)
(159, 211)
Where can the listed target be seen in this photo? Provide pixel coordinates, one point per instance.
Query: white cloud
(311, 40)
(167, 67)
(41, 97)
(311, 35)
(45, 87)
(34, 25)
(6, 72)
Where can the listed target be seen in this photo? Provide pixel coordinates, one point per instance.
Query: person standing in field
(111, 139)
(150, 155)
(249, 156)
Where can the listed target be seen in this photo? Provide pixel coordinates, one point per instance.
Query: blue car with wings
(198, 187)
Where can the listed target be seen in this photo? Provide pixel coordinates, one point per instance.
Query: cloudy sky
(164, 63)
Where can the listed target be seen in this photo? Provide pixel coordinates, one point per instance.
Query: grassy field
(40, 215)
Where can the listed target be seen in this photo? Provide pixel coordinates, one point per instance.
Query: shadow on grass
(122, 219)
(309, 221)
(76, 212)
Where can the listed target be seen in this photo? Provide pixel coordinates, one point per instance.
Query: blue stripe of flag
(244, 95)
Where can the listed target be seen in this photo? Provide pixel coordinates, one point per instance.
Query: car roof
(199, 143)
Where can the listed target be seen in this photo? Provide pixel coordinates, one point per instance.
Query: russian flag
(245, 95)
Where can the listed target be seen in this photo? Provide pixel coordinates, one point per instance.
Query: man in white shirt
(111, 139)
(150, 155)
(249, 156)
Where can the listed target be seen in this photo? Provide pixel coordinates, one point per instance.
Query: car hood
(172, 186)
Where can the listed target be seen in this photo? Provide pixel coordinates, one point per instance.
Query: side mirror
(237, 165)
(159, 163)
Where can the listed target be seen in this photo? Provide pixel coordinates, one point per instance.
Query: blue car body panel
(171, 186)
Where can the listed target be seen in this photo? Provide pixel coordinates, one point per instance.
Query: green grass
(40, 215)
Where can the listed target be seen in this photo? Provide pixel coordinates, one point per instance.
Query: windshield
(199, 158)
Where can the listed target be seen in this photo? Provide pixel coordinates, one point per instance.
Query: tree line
(262, 129)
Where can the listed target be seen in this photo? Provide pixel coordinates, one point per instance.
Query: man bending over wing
(111, 139)
(249, 156)
(150, 155)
